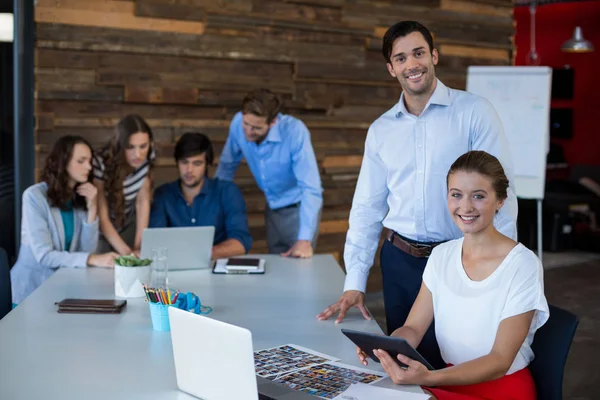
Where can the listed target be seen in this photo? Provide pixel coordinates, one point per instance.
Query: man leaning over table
(197, 200)
(279, 152)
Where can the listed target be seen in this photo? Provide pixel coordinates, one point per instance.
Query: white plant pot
(129, 281)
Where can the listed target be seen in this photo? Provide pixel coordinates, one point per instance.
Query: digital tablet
(247, 263)
(393, 345)
(222, 266)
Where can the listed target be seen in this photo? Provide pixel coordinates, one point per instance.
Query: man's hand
(300, 249)
(415, 374)
(350, 298)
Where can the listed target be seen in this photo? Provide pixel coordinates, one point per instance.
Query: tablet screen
(393, 345)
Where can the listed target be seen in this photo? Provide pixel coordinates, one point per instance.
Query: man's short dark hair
(401, 29)
(193, 144)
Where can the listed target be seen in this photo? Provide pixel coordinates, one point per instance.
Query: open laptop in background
(188, 248)
(215, 361)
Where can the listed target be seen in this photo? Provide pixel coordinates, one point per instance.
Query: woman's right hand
(106, 260)
(362, 356)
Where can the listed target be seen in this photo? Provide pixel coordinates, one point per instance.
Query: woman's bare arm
(142, 212)
(106, 225)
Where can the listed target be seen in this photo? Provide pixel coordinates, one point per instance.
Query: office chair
(551, 345)
(5, 292)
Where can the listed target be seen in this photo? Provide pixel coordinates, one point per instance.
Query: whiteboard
(521, 96)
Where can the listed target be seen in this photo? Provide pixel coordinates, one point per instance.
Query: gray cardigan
(43, 241)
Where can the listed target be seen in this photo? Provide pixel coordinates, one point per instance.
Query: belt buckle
(421, 250)
(420, 246)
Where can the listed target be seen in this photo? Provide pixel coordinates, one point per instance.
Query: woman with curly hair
(121, 172)
(59, 227)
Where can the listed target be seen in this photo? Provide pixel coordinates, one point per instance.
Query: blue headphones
(191, 302)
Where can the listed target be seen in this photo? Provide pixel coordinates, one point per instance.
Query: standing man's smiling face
(413, 64)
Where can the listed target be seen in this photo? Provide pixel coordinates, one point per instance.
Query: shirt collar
(206, 187)
(440, 96)
(274, 135)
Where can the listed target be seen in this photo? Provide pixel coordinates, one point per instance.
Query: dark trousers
(402, 278)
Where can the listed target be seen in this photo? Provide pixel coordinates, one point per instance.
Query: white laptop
(215, 361)
(188, 248)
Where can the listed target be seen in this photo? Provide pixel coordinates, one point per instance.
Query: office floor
(572, 282)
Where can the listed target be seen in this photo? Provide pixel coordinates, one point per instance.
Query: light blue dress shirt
(284, 166)
(402, 181)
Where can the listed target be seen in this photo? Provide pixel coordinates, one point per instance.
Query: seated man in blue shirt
(279, 153)
(197, 200)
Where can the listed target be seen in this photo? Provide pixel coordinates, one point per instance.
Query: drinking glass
(160, 268)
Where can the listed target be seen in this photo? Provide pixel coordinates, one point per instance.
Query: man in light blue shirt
(279, 153)
(402, 182)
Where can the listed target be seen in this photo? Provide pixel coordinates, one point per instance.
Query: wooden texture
(185, 65)
(108, 13)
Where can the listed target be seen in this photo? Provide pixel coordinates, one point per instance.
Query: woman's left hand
(415, 374)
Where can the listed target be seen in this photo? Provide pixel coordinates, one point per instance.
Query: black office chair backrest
(551, 345)
(5, 292)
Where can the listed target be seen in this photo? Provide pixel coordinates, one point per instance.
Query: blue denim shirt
(219, 204)
(284, 166)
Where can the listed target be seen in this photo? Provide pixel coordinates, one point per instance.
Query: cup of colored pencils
(159, 300)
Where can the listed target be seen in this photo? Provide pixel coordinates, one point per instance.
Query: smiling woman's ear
(500, 204)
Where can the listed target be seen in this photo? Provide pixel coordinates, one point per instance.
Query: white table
(48, 355)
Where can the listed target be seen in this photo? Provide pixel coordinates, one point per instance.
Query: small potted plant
(130, 275)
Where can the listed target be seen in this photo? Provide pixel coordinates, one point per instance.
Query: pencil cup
(160, 316)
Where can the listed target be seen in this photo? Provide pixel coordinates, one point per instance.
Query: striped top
(131, 184)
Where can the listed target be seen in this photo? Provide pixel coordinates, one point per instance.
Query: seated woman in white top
(485, 292)
(59, 227)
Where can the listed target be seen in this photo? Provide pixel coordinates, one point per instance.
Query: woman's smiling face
(472, 201)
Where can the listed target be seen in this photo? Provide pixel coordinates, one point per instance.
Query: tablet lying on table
(393, 345)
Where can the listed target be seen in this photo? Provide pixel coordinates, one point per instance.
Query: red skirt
(516, 386)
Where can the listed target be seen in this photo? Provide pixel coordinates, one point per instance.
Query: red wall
(555, 24)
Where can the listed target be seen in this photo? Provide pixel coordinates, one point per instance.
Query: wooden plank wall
(186, 64)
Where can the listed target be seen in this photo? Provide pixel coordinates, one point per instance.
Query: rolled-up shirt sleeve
(369, 208)
(307, 175)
